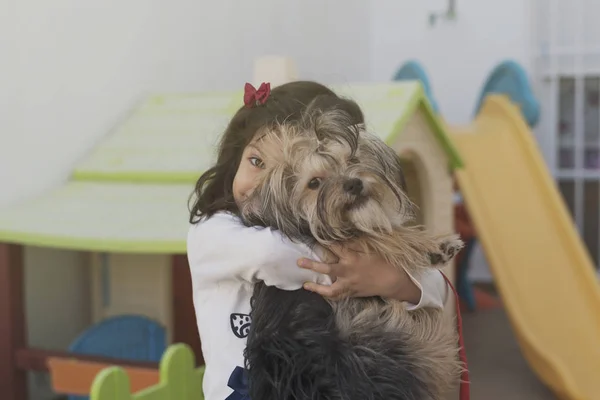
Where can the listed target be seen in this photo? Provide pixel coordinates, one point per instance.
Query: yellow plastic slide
(540, 265)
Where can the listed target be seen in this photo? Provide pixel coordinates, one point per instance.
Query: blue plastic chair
(130, 337)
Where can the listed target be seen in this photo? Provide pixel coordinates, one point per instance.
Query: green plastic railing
(179, 380)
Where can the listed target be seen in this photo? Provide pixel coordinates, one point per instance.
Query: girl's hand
(357, 274)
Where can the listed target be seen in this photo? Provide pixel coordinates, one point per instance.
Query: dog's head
(329, 179)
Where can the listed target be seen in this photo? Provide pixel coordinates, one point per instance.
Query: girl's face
(246, 177)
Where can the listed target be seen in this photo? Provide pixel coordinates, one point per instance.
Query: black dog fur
(295, 352)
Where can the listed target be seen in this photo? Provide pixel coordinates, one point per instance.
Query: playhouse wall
(412, 177)
(418, 145)
(132, 284)
(57, 304)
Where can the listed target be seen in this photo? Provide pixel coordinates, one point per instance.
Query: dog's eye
(314, 183)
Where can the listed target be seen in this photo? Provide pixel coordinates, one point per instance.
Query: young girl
(226, 258)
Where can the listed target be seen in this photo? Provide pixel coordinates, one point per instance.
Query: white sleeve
(221, 248)
(434, 290)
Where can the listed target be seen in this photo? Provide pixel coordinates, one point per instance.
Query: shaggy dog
(332, 183)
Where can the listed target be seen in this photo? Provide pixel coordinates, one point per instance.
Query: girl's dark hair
(213, 192)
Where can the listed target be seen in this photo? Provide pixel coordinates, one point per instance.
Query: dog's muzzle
(353, 186)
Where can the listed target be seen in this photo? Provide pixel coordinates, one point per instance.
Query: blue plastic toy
(510, 79)
(413, 70)
(130, 337)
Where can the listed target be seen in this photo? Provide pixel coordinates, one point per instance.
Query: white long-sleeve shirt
(226, 258)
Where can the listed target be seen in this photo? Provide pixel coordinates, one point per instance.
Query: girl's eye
(257, 162)
(314, 183)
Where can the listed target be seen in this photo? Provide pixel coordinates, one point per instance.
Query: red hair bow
(254, 97)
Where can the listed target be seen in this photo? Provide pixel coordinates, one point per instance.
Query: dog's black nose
(353, 186)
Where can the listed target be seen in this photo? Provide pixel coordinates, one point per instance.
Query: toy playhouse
(125, 205)
(507, 78)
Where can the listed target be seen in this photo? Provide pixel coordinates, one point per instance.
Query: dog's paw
(448, 249)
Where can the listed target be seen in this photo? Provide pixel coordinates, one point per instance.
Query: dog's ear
(390, 161)
(253, 208)
(250, 215)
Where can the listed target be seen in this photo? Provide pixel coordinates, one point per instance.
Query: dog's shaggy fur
(332, 183)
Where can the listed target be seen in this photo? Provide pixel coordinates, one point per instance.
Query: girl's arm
(221, 249)
(433, 287)
(360, 275)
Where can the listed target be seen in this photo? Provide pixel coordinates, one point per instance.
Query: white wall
(458, 55)
(73, 68)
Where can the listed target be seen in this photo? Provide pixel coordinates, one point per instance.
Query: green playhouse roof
(131, 193)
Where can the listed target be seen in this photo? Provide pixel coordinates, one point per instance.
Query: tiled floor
(498, 370)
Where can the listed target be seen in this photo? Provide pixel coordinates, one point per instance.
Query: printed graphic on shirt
(238, 381)
(240, 324)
